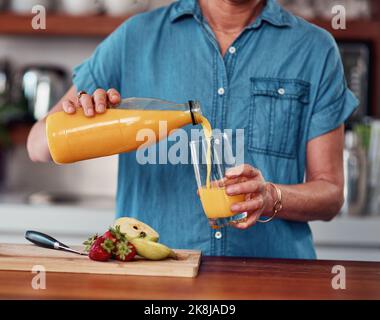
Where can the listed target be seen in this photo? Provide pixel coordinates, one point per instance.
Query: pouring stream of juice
(207, 130)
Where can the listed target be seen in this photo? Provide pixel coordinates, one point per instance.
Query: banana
(152, 250)
(134, 228)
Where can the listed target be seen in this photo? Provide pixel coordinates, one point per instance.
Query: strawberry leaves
(89, 242)
(108, 245)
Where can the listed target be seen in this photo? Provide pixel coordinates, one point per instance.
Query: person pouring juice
(253, 66)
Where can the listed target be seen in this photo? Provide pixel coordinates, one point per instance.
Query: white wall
(90, 177)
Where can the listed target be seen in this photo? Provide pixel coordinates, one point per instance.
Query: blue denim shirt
(283, 83)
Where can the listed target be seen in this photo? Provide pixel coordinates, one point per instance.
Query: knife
(43, 240)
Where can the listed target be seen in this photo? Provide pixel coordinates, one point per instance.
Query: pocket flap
(281, 88)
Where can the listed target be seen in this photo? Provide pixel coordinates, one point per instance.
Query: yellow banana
(152, 250)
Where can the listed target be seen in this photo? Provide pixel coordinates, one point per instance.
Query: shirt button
(218, 235)
(221, 91)
(232, 50)
(281, 91)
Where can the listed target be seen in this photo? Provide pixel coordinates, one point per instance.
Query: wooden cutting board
(19, 257)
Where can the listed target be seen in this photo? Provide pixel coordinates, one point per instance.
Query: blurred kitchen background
(71, 202)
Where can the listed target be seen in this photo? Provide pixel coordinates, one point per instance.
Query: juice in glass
(212, 156)
(216, 203)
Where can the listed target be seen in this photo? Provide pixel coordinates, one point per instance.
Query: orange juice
(207, 130)
(217, 204)
(75, 137)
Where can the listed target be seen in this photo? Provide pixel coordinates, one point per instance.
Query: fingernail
(71, 109)
(231, 172)
(235, 207)
(90, 112)
(115, 97)
(231, 190)
(100, 108)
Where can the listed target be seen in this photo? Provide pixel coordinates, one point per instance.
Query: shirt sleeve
(335, 102)
(102, 69)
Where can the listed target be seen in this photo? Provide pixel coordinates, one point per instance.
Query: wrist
(271, 198)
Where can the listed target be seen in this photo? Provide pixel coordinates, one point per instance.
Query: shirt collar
(273, 13)
(183, 8)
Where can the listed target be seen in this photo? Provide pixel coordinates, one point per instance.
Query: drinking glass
(215, 202)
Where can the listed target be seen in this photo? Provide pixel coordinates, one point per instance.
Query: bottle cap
(195, 107)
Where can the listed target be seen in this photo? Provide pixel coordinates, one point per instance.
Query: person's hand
(92, 105)
(258, 194)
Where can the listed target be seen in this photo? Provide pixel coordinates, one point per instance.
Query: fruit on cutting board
(126, 239)
(112, 244)
(134, 228)
(152, 250)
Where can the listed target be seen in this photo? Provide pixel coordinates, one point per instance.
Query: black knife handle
(43, 240)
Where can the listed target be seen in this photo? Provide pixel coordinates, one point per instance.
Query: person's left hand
(249, 181)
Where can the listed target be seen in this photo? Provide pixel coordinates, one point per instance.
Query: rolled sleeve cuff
(83, 79)
(334, 116)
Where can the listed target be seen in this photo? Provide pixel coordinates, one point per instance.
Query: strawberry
(124, 251)
(101, 249)
(110, 235)
(113, 243)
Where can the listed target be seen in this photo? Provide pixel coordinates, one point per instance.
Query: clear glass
(216, 203)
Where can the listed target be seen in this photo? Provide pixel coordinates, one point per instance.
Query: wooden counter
(219, 278)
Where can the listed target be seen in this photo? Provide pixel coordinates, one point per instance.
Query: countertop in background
(341, 239)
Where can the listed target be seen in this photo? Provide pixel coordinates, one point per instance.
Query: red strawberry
(113, 243)
(115, 234)
(101, 249)
(110, 235)
(124, 251)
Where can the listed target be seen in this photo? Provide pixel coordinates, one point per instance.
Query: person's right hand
(92, 105)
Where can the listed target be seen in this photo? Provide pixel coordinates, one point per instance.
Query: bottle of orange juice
(76, 137)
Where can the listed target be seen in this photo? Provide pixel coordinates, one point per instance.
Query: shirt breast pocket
(276, 110)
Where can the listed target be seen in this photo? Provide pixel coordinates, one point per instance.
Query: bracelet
(277, 207)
